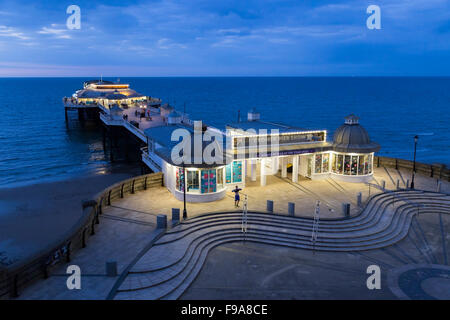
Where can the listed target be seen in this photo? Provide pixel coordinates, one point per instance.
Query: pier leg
(104, 138)
(111, 153)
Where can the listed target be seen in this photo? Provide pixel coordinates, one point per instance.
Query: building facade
(253, 149)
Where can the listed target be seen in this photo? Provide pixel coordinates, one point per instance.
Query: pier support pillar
(295, 169)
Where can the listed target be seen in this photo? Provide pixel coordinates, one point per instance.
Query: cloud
(12, 33)
(165, 44)
(56, 31)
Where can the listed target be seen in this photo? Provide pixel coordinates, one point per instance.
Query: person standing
(237, 198)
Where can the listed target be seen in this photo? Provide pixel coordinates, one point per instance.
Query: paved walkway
(128, 225)
(119, 240)
(168, 268)
(304, 194)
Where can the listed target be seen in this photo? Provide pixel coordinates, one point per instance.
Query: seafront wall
(15, 277)
(438, 171)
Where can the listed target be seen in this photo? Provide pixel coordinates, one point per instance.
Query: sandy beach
(34, 216)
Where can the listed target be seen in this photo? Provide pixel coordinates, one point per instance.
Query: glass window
(366, 164)
(228, 173)
(347, 164)
(180, 179)
(192, 180)
(220, 178)
(333, 162)
(361, 165)
(237, 171)
(325, 163)
(318, 163)
(208, 181)
(354, 165)
(339, 161)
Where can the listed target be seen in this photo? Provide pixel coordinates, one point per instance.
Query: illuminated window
(325, 162)
(361, 165)
(347, 164)
(220, 178)
(354, 168)
(192, 180)
(333, 162)
(208, 181)
(369, 163)
(339, 163)
(318, 163)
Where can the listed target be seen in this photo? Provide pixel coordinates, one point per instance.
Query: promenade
(128, 226)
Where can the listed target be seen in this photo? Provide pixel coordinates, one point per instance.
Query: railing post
(145, 183)
(121, 190)
(69, 245)
(132, 186)
(109, 197)
(45, 270)
(93, 227)
(83, 238)
(14, 286)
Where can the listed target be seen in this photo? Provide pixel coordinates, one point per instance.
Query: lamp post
(414, 163)
(184, 192)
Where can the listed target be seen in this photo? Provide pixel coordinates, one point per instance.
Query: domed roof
(352, 137)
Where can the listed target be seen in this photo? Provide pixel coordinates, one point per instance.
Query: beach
(34, 216)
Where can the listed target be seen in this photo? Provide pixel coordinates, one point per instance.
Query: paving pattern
(172, 264)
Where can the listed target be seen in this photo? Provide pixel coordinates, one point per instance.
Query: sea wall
(438, 171)
(15, 277)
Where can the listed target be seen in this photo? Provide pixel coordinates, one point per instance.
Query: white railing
(109, 121)
(150, 160)
(138, 132)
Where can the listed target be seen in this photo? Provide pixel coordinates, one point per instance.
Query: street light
(184, 192)
(414, 163)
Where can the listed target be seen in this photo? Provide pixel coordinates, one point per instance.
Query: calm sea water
(35, 145)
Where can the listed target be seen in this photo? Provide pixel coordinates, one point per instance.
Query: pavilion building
(248, 155)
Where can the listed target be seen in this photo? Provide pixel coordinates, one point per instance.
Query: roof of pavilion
(264, 125)
(162, 135)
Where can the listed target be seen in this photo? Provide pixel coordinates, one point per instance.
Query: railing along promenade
(15, 277)
(438, 171)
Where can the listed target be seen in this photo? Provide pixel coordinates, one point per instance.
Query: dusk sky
(225, 38)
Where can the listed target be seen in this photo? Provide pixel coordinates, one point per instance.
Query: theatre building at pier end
(252, 150)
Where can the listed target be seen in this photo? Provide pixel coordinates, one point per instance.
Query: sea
(36, 145)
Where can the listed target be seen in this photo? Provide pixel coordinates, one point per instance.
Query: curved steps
(168, 268)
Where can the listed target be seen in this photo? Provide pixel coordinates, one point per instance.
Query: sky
(224, 38)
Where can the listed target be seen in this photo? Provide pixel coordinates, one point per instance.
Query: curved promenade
(175, 260)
